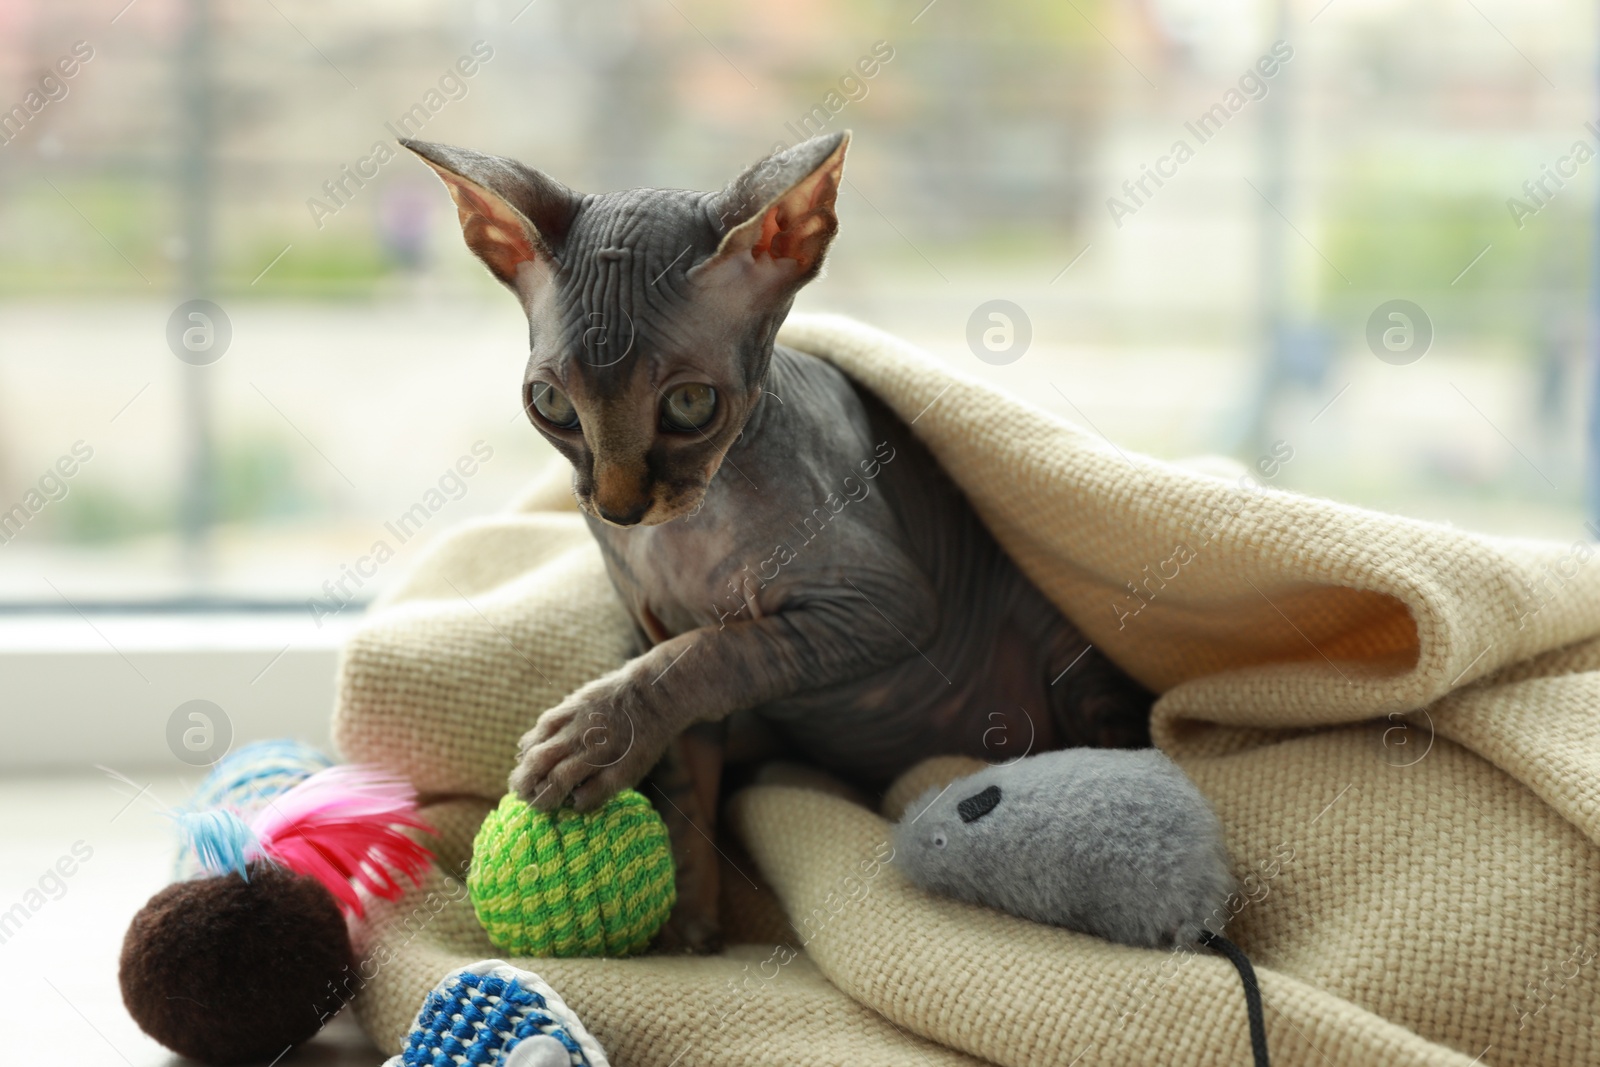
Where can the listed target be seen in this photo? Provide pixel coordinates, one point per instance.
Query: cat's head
(651, 312)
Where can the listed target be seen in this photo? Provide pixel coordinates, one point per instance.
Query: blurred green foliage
(75, 231)
(97, 512)
(258, 478)
(77, 234)
(335, 266)
(1411, 236)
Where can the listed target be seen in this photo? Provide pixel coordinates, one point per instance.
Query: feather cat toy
(248, 954)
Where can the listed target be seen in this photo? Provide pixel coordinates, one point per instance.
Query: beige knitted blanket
(1398, 723)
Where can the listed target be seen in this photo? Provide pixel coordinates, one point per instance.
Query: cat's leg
(1093, 701)
(684, 787)
(606, 735)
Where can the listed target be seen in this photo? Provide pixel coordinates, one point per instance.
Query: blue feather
(245, 781)
(219, 839)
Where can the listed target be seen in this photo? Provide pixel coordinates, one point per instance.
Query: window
(1348, 246)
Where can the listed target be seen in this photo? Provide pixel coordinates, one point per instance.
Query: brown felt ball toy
(226, 971)
(250, 954)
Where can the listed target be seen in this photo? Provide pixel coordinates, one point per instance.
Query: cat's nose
(624, 518)
(621, 493)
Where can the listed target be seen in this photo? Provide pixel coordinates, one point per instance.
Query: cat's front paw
(599, 740)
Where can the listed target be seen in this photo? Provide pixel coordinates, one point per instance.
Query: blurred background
(1338, 155)
(1348, 243)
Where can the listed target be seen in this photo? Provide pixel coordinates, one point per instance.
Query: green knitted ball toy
(563, 884)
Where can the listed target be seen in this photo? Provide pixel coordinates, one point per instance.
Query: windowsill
(131, 631)
(79, 690)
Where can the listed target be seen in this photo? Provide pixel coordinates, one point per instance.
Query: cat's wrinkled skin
(798, 566)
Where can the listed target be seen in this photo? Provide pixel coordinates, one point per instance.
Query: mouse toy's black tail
(1252, 991)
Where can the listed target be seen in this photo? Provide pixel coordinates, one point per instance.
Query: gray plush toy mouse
(1115, 843)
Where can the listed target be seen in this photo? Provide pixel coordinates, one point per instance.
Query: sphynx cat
(804, 577)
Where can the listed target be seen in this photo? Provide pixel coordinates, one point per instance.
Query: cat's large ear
(511, 215)
(778, 218)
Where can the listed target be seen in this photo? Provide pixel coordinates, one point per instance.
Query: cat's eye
(553, 405)
(688, 407)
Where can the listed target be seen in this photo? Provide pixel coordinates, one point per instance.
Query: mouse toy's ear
(979, 804)
(513, 217)
(777, 218)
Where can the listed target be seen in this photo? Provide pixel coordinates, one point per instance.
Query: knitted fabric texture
(483, 1014)
(1395, 721)
(565, 884)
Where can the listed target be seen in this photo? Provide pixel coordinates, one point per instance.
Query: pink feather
(343, 827)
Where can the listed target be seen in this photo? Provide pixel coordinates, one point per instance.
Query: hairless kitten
(803, 576)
